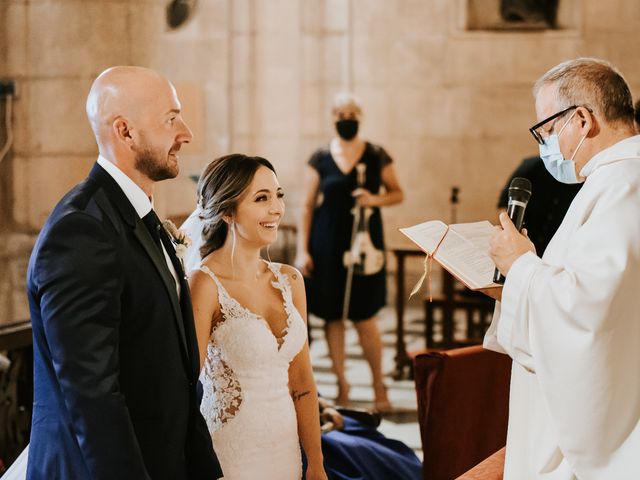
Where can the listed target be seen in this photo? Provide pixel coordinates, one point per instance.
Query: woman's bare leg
(371, 343)
(334, 333)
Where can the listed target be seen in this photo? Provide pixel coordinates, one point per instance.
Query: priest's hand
(507, 244)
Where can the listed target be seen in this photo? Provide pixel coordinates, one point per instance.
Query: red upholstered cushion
(463, 397)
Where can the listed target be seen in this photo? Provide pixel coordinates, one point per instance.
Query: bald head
(136, 117)
(122, 92)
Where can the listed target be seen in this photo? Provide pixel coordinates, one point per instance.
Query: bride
(259, 397)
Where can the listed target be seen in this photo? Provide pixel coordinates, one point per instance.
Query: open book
(462, 249)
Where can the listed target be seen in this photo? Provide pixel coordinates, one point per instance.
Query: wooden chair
(442, 309)
(463, 397)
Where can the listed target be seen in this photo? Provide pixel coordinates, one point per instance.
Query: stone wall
(53, 50)
(451, 105)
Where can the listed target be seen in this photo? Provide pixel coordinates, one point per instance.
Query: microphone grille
(520, 188)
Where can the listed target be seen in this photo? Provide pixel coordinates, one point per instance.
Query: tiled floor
(400, 426)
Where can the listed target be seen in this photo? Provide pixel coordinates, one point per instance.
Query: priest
(571, 319)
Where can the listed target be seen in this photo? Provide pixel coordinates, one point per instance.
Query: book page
(464, 252)
(478, 233)
(426, 235)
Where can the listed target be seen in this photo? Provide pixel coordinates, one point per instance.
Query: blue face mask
(562, 170)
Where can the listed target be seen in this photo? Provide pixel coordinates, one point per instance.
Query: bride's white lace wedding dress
(246, 400)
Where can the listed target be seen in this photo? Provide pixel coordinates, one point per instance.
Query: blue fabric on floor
(359, 452)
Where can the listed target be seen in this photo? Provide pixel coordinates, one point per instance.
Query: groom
(115, 354)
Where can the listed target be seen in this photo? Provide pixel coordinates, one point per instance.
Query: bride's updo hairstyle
(221, 186)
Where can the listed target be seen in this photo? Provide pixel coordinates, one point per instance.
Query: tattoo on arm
(295, 276)
(298, 395)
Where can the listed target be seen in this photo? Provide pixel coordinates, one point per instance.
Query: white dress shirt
(140, 202)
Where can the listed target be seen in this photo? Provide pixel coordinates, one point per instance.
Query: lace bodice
(244, 357)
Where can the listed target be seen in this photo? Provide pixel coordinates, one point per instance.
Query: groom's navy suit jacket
(115, 352)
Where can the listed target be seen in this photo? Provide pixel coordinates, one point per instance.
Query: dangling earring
(232, 229)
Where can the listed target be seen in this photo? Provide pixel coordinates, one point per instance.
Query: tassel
(428, 267)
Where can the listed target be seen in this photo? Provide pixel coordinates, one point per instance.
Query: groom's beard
(155, 164)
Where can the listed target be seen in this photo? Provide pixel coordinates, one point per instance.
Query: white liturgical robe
(571, 323)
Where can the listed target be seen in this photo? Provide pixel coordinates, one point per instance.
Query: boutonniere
(179, 239)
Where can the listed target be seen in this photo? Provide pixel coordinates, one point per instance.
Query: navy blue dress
(360, 452)
(330, 237)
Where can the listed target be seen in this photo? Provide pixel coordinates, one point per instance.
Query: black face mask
(347, 129)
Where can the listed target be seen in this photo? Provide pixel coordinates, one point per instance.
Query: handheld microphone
(519, 195)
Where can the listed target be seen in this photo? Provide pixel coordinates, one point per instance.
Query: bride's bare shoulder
(293, 273)
(204, 289)
(297, 288)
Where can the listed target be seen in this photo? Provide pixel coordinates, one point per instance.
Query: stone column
(53, 49)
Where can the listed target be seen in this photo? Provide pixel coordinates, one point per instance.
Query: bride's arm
(204, 297)
(302, 387)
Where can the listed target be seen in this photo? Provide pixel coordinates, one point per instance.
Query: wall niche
(519, 15)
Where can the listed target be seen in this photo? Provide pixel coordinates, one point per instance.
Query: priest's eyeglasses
(539, 133)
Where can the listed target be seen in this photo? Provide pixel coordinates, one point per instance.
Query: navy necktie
(152, 222)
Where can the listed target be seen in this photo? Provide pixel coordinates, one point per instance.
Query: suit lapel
(190, 328)
(117, 198)
(185, 304)
(159, 262)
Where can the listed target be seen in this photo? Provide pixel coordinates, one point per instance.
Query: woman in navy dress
(325, 231)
